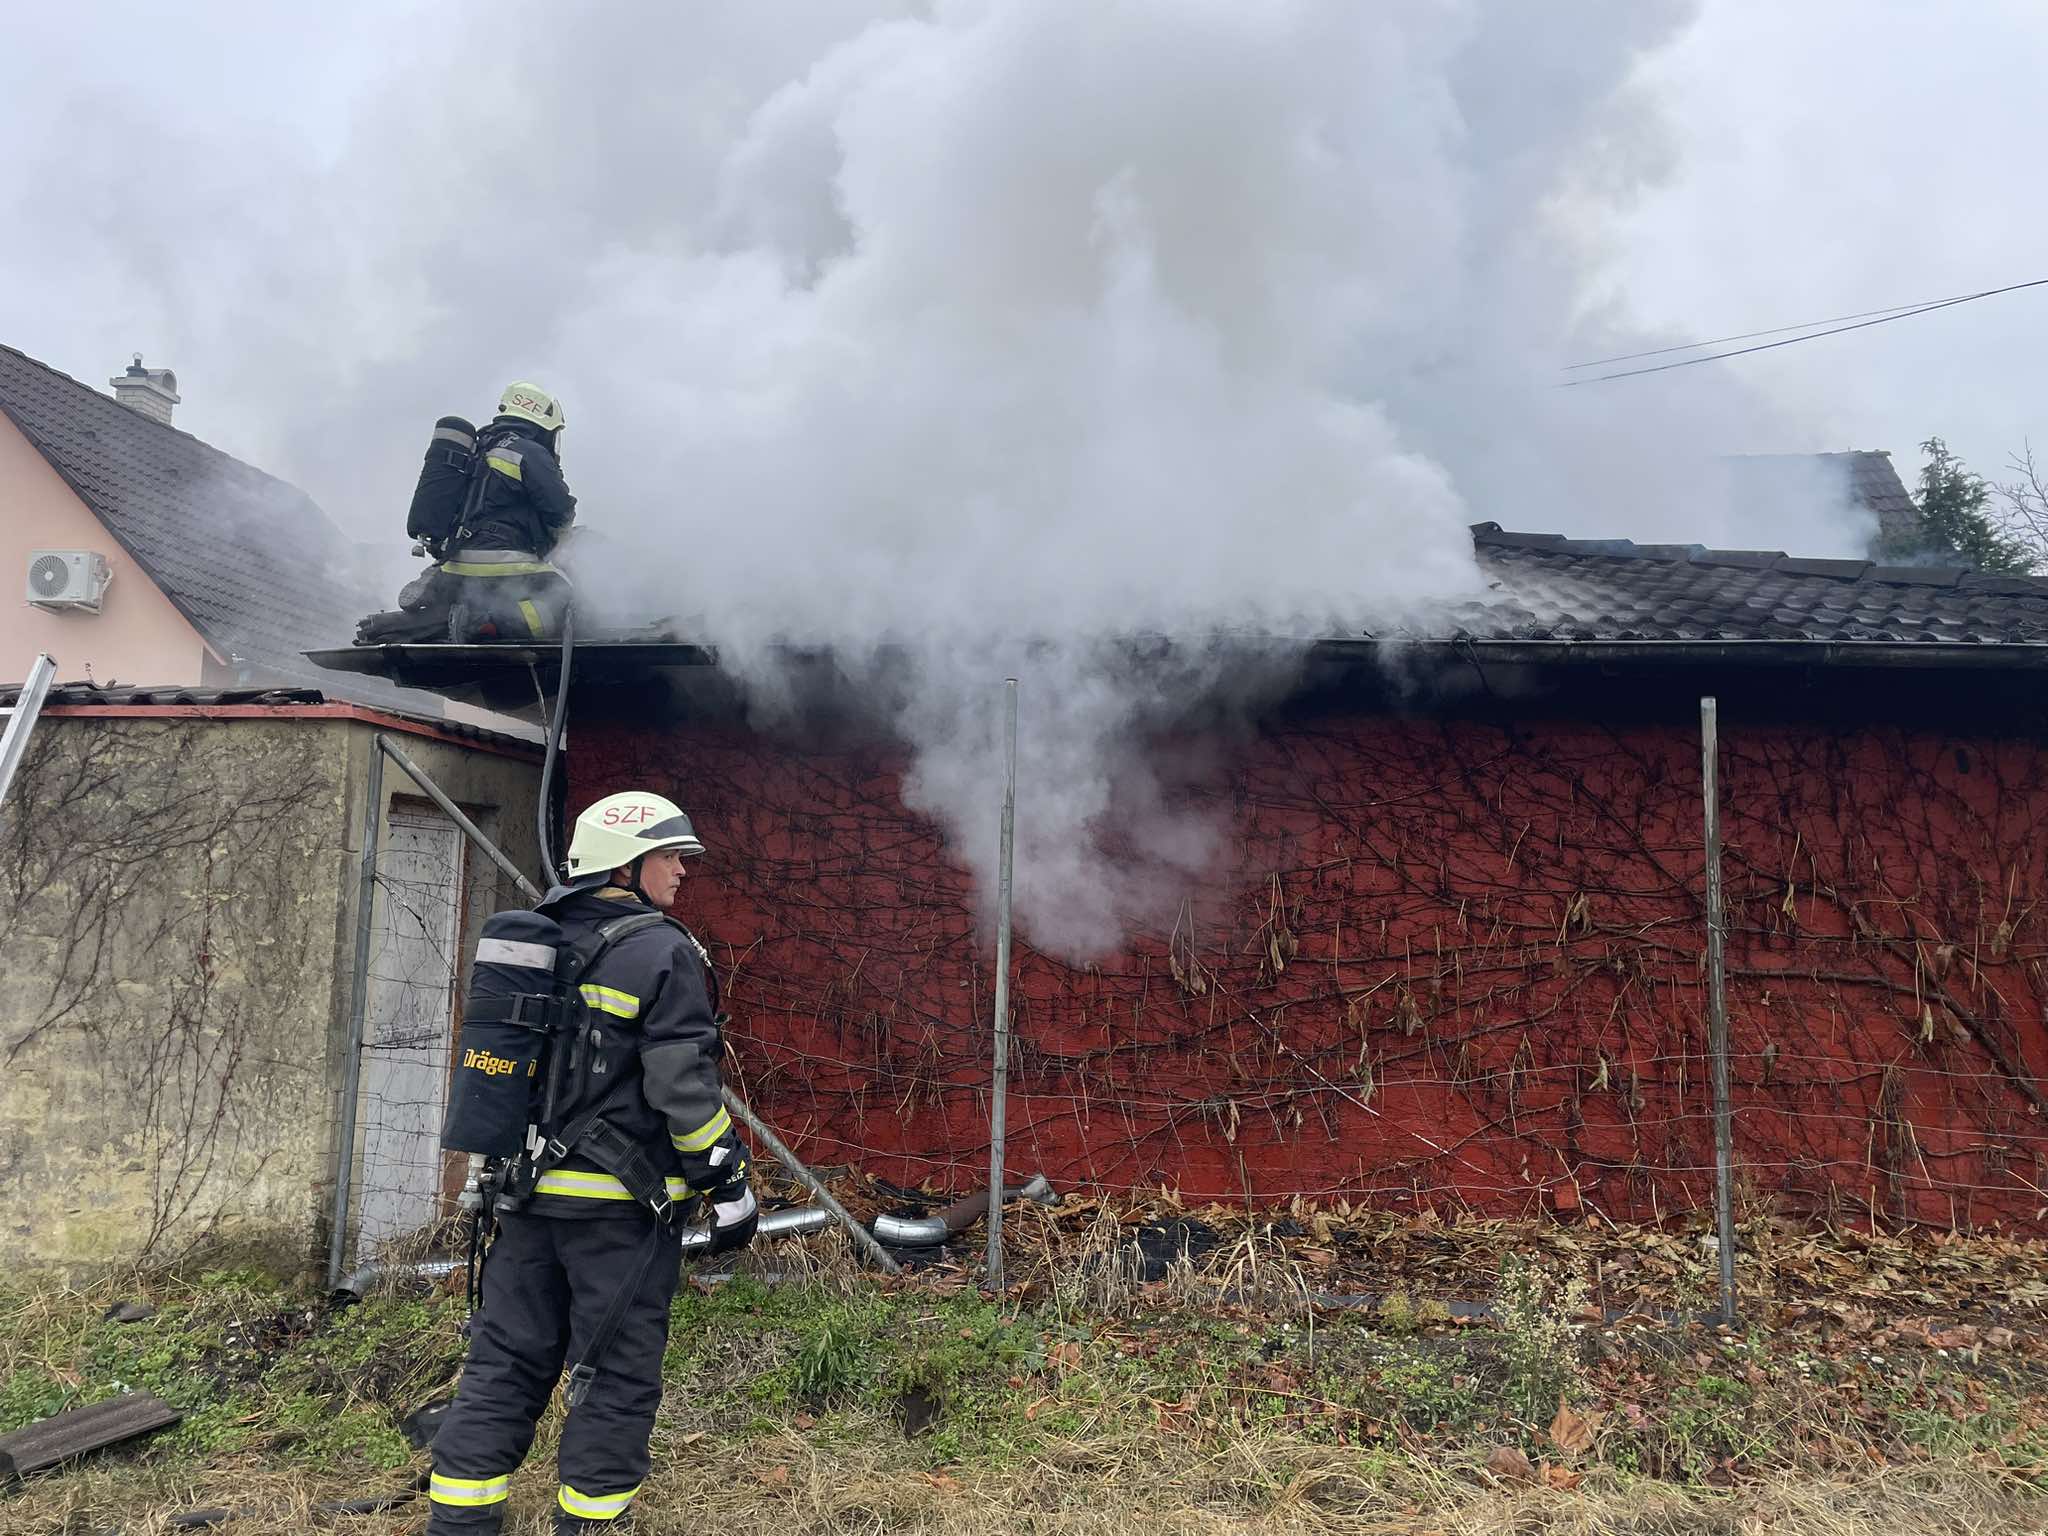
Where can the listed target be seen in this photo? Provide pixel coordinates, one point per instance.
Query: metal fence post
(1717, 1010)
(998, 1115)
(358, 1008)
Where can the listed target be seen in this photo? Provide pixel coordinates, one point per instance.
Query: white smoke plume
(990, 333)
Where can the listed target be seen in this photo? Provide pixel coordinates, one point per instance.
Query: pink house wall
(136, 637)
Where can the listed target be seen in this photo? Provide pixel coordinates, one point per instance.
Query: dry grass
(785, 1485)
(1189, 1396)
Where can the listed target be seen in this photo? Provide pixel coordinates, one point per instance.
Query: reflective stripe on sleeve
(506, 462)
(610, 1000)
(705, 1134)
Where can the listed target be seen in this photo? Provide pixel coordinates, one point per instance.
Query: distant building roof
(1547, 587)
(250, 561)
(1869, 479)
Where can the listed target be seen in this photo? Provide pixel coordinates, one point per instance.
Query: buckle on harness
(577, 1386)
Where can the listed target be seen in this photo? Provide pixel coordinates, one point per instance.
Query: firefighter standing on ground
(559, 1261)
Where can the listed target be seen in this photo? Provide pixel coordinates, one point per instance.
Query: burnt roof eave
(454, 661)
(1928, 655)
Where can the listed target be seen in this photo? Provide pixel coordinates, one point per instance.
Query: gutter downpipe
(358, 1008)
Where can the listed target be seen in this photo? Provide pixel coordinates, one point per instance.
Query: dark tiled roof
(1547, 587)
(1876, 484)
(254, 565)
(117, 696)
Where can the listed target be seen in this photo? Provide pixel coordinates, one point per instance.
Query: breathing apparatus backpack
(443, 489)
(524, 1045)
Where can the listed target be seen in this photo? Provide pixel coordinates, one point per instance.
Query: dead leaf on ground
(945, 1482)
(1573, 1431)
(774, 1477)
(1564, 1479)
(1066, 1355)
(1510, 1465)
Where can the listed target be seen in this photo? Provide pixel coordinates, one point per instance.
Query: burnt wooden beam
(77, 1431)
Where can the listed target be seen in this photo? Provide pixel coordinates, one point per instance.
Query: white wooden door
(414, 953)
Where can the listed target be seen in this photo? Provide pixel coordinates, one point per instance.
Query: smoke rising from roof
(989, 332)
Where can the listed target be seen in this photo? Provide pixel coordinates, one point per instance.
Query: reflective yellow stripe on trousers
(469, 1491)
(595, 1506)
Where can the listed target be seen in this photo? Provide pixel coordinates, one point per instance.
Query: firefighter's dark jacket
(524, 502)
(655, 1050)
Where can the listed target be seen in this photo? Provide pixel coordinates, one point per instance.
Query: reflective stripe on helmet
(675, 826)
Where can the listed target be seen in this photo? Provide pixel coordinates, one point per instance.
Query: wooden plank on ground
(76, 1431)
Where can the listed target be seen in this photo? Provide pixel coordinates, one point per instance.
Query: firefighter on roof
(490, 507)
(584, 1264)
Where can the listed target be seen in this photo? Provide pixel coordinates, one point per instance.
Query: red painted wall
(1449, 963)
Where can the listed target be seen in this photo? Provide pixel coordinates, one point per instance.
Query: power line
(1776, 330)
(1884, 318)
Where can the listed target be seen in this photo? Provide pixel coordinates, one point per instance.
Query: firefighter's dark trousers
(548, 1283)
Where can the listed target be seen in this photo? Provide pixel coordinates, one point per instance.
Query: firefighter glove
(734, 1215)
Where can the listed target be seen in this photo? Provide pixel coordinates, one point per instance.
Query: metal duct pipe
(793, 1222)
(927, 1231)
(356, 1284)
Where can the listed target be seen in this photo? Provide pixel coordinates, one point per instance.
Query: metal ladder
(21, 719)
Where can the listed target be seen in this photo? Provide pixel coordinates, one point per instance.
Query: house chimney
(152, 391)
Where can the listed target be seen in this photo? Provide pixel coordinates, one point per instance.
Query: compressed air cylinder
(444, 481)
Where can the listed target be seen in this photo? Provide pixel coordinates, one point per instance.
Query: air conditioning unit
(67, 580)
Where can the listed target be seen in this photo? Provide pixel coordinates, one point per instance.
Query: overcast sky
(202, 183)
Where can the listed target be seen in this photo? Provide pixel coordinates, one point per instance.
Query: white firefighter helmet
(620, 828)
(529, 402)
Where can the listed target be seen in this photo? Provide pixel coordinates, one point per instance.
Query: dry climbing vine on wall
(1447, 961)
(161, 922)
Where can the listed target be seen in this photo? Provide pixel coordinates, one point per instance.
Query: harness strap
(576, 1386)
